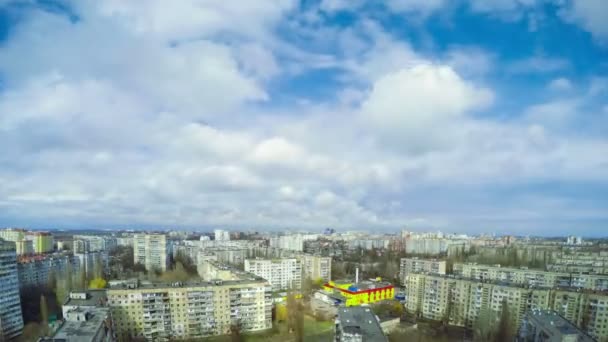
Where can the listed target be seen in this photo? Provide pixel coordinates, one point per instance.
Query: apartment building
(212, 270)
(316, 267)
(294, 242)
(34, 270)
(463, 300)
(11, 320)
(160, 311)
(152, 251)
(93, 243)
(221, 235)
(531, 277)
(282, 274)
(42, 242)
(22, 245)
(416, 265)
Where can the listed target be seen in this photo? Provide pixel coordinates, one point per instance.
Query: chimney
(357, 275)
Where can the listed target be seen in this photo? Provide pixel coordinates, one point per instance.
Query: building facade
(282, 274)
(221, 235)
(11, 320)
(316, 267)
(35, 270)
(532, 277)
(152, 251)
(416, 265)
(160, 311)
(462, 301)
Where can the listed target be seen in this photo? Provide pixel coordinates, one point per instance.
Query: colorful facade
(363, 292)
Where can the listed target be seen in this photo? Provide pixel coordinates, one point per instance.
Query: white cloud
(411, 104)
(590, 15)
(560, 84)
(538, 64)
(420, 6)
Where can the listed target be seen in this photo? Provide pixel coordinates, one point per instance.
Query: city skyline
(461, 116)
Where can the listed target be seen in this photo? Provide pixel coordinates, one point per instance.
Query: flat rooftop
(361, 320)
(82, 330)
(556, 325)
(185, 284)
(94, 298)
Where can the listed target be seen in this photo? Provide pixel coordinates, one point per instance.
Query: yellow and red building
(364, 292)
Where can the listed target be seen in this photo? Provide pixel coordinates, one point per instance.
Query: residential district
(330, 286)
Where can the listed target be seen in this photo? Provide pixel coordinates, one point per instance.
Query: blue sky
(477, 116)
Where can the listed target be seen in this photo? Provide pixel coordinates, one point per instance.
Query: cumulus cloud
(168, 116)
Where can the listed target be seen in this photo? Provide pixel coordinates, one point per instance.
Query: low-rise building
(548, 326)
(358, 324)
(86, 318)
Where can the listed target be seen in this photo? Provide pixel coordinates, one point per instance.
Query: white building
(221, 235)
(151, 250)
(574, 240)
(416, 265)
(293, 242)
(11, 320)
(282, 274)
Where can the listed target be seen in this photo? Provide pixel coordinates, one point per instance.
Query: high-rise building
(461, 301)
(42, 241)
(17, 236)
(294, 242)
(11, 320)
(416, 265)
(282, 274)
(532, 277)
(35, 270)
(152, 251)
(221, 235)
(160, 311)
(316, 267)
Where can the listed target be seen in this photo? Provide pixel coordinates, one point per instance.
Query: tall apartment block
(416, 265)
(23, 246)
(530, 277)
(151, 250)
(316, 267)
(160, 311)
(462, 300)
(221, 235)
(35, 270)
(282, 274)
(11, 320)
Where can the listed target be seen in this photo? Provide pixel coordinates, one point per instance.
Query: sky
(475, 116)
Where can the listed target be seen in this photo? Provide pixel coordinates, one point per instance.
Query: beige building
(531, 277)
(152, 251)
(159, 311)
(462, 302)
(316, 267)
(416, 265)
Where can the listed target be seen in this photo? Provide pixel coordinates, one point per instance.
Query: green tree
(44, 314)
(295, 318)
(82, 284)
(504, 332)
(52, 280)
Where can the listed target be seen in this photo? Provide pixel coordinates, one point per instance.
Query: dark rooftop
(361, 320)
